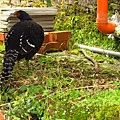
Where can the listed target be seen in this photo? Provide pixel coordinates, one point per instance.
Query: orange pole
(102, 18)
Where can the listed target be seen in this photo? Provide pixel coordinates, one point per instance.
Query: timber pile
(43, 16)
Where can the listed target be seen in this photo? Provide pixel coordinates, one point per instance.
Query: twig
(96, 86)
(82, 97)
(57, 92)
(96, 66)
(6, 104)
(89, 95)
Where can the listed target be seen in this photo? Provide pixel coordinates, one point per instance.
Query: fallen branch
(96, 66)
(97, 86)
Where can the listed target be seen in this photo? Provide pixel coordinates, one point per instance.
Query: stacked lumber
(43, 16)
(55, 41)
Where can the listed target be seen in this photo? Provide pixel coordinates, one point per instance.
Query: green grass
(2, 47)
(62, 87)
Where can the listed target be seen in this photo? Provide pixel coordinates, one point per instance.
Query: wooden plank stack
(55, 41)
(43, 16)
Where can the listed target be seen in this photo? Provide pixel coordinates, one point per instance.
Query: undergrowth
(83, 27)
(63, 87)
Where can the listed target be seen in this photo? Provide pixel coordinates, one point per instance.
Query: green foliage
(29, 3)
(98, 107)
(112, 6)
(24, 104)
(59, 89)
(2, 47)
(83, 28)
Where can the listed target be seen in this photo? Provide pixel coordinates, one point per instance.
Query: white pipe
(98, 50)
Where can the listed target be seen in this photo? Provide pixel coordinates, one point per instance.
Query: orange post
(102, 18)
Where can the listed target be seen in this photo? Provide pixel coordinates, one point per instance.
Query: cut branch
(96, 66)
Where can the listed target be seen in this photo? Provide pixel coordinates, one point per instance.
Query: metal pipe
(98, 50)
(102, 18)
